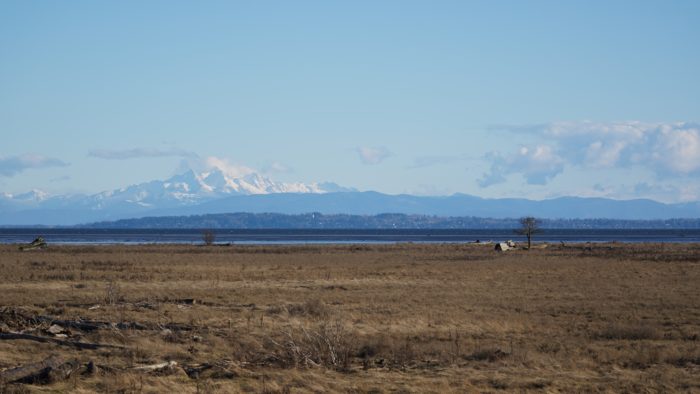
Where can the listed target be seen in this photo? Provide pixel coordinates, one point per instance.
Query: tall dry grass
(368, 318)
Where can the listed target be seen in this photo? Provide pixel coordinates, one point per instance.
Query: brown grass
(364, 318)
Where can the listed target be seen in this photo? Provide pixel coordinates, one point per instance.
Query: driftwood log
(62, 342)
(92, 325)
(50, 370)
(155, 367)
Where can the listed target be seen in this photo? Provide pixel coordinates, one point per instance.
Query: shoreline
(290, 237)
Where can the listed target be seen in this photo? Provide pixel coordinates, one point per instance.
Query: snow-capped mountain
(33, 195)
(215, 191)
(31, 199)
(189, 188)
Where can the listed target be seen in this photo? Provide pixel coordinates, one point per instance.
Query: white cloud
(600, 154)
(276, 167)
(667, 192)
(209, 163)
(13, 165)
(678, 149)
(671, 151)
(664, 148)
(373, 155)
(537, 164)
(229, 168)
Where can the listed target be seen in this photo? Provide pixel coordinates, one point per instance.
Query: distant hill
(373, 203)
(383, 221)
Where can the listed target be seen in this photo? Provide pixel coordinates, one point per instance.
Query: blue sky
(532, 99)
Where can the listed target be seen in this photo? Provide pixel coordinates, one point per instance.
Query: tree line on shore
(382, 221)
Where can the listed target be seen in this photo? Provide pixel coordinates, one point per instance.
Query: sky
(535, 99)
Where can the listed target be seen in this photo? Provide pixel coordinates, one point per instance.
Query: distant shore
(333, 236)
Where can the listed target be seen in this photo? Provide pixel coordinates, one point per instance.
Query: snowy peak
(189, 182)
(33, 195)
(217, 182)
(187, 189)
(191, 188)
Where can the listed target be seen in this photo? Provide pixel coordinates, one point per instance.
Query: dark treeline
(383, 221)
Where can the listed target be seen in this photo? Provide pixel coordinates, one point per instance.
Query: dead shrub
(274, 310)
(684, 361)
(549, 347)
(627, 332)
(327, 344)
(371, 348)
(208, 236)
(313, 308)
(403, 354)
(498, 384)
(682, 357)
(59, 276)
(112, 293)
(490, 355)
(537, 384)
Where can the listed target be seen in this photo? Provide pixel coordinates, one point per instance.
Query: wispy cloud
(137, 153)
(13, 165)
(669, 192)
(538, 164)
(373, 155)
(276, 167)
(227, 166)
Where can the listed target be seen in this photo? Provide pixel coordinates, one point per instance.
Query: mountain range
(215, 191)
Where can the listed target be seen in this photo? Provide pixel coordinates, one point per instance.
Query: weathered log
(186, 301)
(77, 324)
(195, 371)
(155, 367)
(49, 370)
(177, 326)
(62, 342)
(209, 371)
(92, 325)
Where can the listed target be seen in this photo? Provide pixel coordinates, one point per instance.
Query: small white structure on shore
(503, 246)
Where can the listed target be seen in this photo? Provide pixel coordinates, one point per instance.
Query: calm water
(112, 236)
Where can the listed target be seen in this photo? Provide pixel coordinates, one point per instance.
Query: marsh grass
(366, 318)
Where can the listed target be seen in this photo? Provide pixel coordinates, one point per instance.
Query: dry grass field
(352, 318)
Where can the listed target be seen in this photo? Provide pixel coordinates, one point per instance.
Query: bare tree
(208, 237)
(529, 226)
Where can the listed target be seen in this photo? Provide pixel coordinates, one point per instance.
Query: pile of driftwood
(55, 368)
(57, 331)
(38, 243)
(18, 325)
(47, 371)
